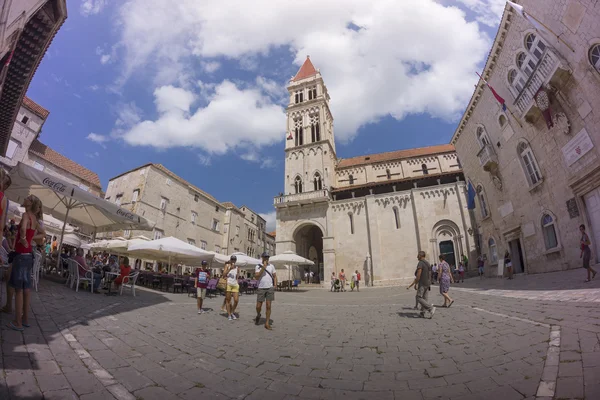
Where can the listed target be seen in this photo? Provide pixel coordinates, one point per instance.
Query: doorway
(516, 256)
(447, 250)
(592, 205)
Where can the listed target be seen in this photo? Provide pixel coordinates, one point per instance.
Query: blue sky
(201, 88)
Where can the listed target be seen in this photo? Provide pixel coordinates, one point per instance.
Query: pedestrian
(508, 264)
(311, 276)
(353, 282)
(343, 280)
(357, 284)
(201, 276)
(22, 265)
(5, 182)
(586, 253)
(423, 280)
(480, 263)
(445, 279)
(414, 284)
(434, 271)
(461, 272)
(233, 288)
(267, 280)
(332, 281)
(306, 277)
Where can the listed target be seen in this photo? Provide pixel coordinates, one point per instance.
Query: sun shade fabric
(84, 209)
(289, 258)
(170, 249)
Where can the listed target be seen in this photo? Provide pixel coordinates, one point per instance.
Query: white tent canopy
(289, 259)
(70, 203)
(169, 249)
(245, 261)
(121, 245)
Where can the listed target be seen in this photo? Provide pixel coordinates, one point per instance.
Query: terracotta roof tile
(35, 107)
(395, 155)
(274, 233)
(306, 70)
(53, 157)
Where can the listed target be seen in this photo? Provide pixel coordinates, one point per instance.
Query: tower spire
(306, 70)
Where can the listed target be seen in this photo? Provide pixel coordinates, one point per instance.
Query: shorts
(265, 294)
(233, 288)
(22, 267)
(481, 270)
(201, 293)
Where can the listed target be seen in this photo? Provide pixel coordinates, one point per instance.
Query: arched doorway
(309, 244)
(447, 250)
(447, 241)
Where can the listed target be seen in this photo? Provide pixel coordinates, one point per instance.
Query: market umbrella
(169, 249)
(121, 245)
(70, 203)
(244, 260)
(289, 258)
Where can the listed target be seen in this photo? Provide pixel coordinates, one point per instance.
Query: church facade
(371, 213)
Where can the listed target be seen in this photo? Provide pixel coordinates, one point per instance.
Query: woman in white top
(233, 287)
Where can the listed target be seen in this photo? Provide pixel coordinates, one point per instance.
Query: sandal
(14, 328)
(587, 280)
(452, 302)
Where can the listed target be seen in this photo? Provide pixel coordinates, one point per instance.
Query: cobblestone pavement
(500, 340)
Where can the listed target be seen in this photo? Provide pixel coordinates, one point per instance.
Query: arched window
(317, 181)
(482, 137)
(299, 134)
(388, 174)
(516, 80)
(298, 184)
(396, 217)
(351, 179)
(315, 131)
(351, 218)
(502, 120)
(424, 168)
(493, 251)
(535, 46)
(482, 202)
(549, 230)
(595, 56)
(529, 163)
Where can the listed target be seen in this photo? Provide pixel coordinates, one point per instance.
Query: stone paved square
(500, 340)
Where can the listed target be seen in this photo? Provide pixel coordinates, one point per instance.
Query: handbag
(222, 284)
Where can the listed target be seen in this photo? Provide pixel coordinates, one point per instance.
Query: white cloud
(92, 7)
(105, 58)
(398, 62)
(271, 218)
(255, 157)
(100, 139)
(94, 87)
(489, 12)
(204, 160)
(234, 118)
(93, 155)
(211, 66)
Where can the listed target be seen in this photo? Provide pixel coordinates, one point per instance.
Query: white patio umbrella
(244, 260)
(70, 203)
(121, 246)
(169, 249)
(289, 258)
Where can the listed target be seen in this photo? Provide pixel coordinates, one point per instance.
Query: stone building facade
(24, 146)
(371, 213)
(184, 211)
(536, 166)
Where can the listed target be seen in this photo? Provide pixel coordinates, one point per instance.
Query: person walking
(480, 263)
(353, 281)
(22, 265)
(357, 280)
(461, 272)
(332, 281)
(233, 288)
(201, 276)
(434, 273)
(311, 276)
(267, 281)
(423, 280)
(343, 280)
(508, 264)
(445, 279)
(306, 277)
(586, 253)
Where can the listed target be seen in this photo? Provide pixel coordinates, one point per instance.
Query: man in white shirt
(267, 281)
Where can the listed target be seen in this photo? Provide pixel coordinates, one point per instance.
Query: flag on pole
(470, 196)
(290, 137)
(496, 95)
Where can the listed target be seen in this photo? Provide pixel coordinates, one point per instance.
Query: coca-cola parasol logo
(56, 186)
(125, 214)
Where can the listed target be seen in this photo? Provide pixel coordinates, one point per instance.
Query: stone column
(328, 260)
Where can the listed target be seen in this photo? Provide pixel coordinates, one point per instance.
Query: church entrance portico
(309, 244)
(447, 241)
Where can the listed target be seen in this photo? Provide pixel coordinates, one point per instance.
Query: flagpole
(504, 104)
(515, 118)
(551, 31)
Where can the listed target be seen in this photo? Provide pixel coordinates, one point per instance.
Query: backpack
(202, 277)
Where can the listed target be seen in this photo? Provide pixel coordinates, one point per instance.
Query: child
(461, 272)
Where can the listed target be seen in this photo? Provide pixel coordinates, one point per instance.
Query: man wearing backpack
(202, 277)
(267, 281)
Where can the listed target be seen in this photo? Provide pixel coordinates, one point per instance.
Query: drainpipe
(370, 255)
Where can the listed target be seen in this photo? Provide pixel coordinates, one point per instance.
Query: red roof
(306, 70)
(53, 157)
(395, 155)
(35, 108)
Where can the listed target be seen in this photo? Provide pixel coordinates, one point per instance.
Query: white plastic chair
(37, 265)
(130, 281)
(70, 275)
(87, 277)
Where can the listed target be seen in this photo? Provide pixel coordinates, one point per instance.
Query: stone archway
(309, 244)
(446, 240)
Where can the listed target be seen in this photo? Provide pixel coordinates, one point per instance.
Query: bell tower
(310, 146)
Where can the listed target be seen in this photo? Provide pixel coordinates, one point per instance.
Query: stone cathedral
(371, 213)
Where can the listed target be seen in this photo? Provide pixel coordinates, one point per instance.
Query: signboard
(577, 147)
(572, 207)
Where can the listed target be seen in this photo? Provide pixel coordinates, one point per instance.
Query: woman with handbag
(7, 244)
(233, 288)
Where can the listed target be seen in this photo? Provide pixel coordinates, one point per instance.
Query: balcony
(316, 196)
(550, 70)
(488, 158)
